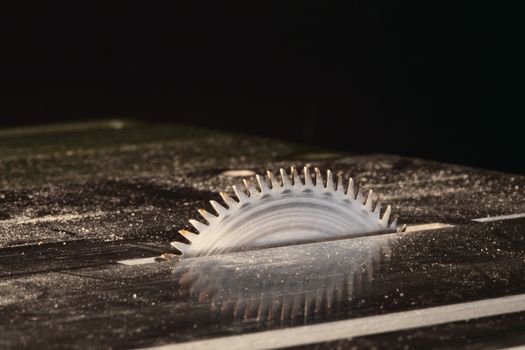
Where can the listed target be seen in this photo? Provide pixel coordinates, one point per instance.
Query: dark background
(422, 79)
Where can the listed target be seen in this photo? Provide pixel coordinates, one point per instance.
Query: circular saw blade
(285, 210)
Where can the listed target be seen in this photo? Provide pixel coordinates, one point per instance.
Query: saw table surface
(88, 209)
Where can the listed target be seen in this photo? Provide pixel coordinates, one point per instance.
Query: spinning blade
(285, 210)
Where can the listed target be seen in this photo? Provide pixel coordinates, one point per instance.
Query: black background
(422, 79)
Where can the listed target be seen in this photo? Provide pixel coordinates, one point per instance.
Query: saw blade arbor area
(285, 210)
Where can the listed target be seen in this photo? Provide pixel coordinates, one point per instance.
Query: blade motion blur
(286, 210)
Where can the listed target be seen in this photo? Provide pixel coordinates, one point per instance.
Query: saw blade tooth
(307, 177)
(386, 216)
(183, 248)
(369, 200)
(263, 185)
(377, 206)
(273, 180)
(285, 178)
(190, 236)
(296, 178)
(218, 208)
(230, 202)
(240, 194)
(250, 188)
(284, 310)
(199, 226)
(209, 217)
(318, 301)
(393, 224)
(330, 181)
(261, 309)
(340, 185)
(358, 194)
(248, 309)
(350, 192)
(318, 178)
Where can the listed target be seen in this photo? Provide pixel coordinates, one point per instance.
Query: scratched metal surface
(75, 199)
